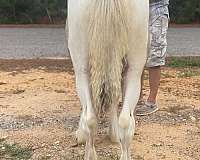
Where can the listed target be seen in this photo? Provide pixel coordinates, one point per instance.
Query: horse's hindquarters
(101, 33)
(81, 10)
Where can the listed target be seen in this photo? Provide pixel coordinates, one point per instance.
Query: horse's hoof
(80, 136)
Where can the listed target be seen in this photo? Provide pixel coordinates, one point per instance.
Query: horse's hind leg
(113, 129)
(126, 118)
(77, 43)
(81, 134)
(81, 84)
(136, 62)
(88, 123)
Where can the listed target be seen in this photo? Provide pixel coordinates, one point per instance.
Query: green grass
(188, 73)
(14, 151)
(184, 62)
(166, 75)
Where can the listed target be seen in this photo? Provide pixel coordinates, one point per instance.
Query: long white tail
(108, 30)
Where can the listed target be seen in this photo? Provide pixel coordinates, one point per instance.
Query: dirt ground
(39, 109)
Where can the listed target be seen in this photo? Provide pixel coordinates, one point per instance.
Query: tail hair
(108, 30)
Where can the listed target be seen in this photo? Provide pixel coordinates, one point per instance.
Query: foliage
(53, 11)
(186, 11)
(31, 11)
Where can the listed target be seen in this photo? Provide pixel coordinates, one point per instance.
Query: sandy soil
(39, 108)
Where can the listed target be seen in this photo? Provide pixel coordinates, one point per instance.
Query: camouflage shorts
(158, 26)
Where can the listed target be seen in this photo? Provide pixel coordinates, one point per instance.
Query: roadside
(195, 25)
(171, 25)
(32, 25)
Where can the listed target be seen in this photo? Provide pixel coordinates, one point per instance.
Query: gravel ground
(39, 109)
(50, 42)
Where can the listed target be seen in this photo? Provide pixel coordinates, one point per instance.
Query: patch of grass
(166, 75)
(2, 140)
(188, 73)
(14, 151)
(184, 62)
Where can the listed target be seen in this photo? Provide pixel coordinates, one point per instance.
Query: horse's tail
(108, 31)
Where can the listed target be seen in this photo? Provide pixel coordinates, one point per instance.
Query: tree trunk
(49, 15)
(14, 10)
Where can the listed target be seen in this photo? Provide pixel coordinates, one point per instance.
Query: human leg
(156, 59)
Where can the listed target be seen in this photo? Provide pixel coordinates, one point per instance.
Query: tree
(186, 11)
(32, 11)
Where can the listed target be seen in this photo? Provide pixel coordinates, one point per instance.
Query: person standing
(158, 26)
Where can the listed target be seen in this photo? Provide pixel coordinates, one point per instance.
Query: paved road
(32, 42)
(50, 42)
(184, 42)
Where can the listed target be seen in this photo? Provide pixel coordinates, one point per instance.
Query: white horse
(103, 34)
